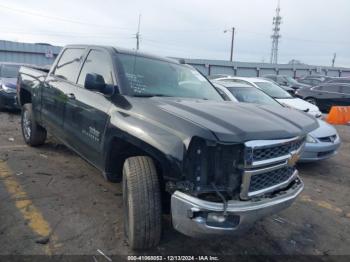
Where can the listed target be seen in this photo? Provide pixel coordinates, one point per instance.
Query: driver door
(86, 112)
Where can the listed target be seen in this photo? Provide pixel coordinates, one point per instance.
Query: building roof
(40, 48)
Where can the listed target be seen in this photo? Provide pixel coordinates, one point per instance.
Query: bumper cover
(8, 100)
(319, 151)
(199, 218)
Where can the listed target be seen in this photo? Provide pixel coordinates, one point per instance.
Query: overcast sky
(312, 30)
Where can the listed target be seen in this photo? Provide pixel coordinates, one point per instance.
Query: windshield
(252, 95)
(273, 90)
(153, 77)
(291, 80)
(9, 71)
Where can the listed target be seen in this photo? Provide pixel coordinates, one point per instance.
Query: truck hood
(227, 121)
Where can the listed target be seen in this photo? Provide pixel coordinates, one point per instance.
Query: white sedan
(277, 92)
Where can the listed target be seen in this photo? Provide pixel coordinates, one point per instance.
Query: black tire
(141, 202)
(33, 134)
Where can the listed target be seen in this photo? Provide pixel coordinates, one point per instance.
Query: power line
(62, 19)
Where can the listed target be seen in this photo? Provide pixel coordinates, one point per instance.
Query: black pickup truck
(161, 128)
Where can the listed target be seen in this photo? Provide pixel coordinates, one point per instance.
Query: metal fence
(212, 67)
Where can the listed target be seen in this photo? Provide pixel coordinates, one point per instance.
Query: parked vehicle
(277, 93)
(216, 76)
(326, 95)
(311, 81)
(286, 88)
(8, 78)
(163, 130)
(322, 143)
(284, 80)
(339, 80)
(322, 78)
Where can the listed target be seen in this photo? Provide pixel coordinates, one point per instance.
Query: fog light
(215, 217)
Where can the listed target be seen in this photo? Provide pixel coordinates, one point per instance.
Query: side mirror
(96, 82)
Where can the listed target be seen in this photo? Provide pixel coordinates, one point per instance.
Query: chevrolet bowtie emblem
(293, 159)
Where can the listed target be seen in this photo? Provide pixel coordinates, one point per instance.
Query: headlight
(7, 89)
(310, 139)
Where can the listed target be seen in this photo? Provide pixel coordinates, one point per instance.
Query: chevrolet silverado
(163, 130)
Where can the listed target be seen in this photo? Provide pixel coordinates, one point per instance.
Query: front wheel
(33, 134)
(141, 202)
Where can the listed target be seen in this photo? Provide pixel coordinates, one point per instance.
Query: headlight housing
(310, 139)
(7, 89)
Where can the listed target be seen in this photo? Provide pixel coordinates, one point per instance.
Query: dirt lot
(51, 191)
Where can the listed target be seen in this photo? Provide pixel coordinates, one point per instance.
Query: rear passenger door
(86, 115)
(329, 95)
(58, 87)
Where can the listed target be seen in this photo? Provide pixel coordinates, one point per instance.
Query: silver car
(321, 143)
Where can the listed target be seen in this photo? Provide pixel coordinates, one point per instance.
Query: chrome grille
(269, 179)
(265, 153)
(269, 165)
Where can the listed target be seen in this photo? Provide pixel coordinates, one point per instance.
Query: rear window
(69, 64)
(9, 71)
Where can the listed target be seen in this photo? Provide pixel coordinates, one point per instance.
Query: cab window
(97, 62)
(69, 64)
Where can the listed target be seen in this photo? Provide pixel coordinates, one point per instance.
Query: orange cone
(348, 114)
(339, 115)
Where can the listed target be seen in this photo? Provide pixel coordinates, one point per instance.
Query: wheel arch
(25, 97)
(120, 147)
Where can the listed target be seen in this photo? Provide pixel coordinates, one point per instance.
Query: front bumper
(8, 100)
(316, 114)
(199, 218)
(319, 151)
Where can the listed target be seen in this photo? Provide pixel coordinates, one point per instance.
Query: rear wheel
(33, 134)
(311, 100)
(141, 202)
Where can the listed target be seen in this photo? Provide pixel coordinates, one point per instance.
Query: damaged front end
(226, 187)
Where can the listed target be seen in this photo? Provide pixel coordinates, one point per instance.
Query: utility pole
(138, 34)
(277, 20)
(232, 30)
(333, 60)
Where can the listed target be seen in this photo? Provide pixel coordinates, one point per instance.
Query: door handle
(70, 96)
